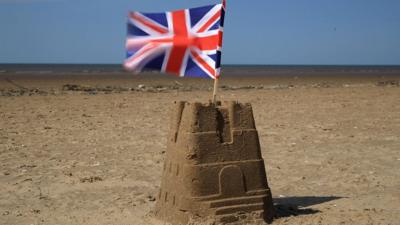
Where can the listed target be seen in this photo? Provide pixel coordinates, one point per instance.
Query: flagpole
(214, 99)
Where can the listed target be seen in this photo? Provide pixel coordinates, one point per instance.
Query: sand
(90, 150)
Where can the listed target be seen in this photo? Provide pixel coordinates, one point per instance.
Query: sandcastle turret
(213, 167)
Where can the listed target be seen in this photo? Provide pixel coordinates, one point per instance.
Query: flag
(186, 42)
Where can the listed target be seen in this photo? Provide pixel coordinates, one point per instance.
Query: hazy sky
(256, 31)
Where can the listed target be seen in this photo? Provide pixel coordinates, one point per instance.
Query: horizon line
(117, 64)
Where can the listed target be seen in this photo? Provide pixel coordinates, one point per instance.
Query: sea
(227, 70)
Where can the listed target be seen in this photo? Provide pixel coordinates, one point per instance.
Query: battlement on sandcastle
(213, 167)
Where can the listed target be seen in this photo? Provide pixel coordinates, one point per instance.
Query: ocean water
(228, 70)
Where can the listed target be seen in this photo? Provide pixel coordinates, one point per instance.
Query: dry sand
(90, 150)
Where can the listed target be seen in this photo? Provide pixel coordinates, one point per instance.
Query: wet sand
(89, 149)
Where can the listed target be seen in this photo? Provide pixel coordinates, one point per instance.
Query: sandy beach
(89, 149)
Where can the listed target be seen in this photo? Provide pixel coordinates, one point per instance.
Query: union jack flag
(185, 42)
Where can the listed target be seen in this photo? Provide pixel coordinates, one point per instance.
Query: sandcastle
(213, 168)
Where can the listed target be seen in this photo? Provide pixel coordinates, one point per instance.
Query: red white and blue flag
(185, 42)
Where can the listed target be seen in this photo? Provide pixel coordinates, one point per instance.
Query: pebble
(96, 164)
(151, 198)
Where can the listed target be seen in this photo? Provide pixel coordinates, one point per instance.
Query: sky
(268, 32)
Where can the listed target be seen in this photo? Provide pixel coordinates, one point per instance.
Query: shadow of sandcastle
(296, 206)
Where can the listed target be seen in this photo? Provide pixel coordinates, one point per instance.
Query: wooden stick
(215, 90)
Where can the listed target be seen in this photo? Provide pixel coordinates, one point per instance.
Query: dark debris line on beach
(67, 88)
(75, 88)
